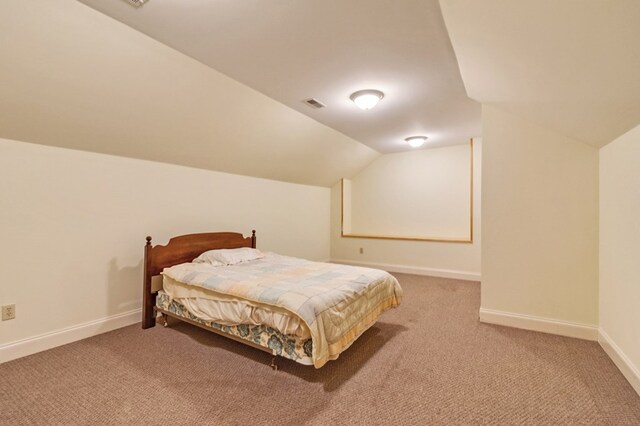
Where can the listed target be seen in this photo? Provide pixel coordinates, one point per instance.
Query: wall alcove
(424, 195)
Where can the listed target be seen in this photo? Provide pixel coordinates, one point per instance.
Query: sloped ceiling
(292, 50)
(75, 78)
(570, 65)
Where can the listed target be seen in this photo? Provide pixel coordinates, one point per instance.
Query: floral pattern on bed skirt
(280, 344)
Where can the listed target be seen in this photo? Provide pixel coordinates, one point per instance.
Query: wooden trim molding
(414, 270)
(541, 324)
(620, 359)
(415, 238)
(63, 336)
(395, 237)
(471, 191)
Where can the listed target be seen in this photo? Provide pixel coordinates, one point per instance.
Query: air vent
(314, 103)
(136, 3)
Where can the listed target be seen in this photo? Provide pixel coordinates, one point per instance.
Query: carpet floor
(428, 362)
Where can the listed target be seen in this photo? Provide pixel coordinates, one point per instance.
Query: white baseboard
(416, 270)
(544, 325)
(63, 336)
(624, 364)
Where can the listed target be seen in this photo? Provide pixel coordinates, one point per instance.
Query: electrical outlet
(361, 250)
(8, 312)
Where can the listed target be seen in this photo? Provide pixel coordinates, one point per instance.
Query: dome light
(416, 141)
(366, 99)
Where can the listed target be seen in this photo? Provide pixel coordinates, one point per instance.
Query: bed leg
(165, 321)
(273, 363)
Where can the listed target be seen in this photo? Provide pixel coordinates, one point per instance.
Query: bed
(309, 312)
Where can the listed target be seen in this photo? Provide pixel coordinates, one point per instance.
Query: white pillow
(222, 257)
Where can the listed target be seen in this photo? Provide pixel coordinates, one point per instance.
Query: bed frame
(184, 249)
(178, 250)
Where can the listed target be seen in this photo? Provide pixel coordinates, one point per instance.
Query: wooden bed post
(148, 298)
(253, 239)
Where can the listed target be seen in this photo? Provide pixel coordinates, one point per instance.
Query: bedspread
(337, 302)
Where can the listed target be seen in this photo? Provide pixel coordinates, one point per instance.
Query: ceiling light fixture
(366, 99)
(416, 141)
(136, 3)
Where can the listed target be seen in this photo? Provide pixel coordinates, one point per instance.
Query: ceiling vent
(136, 3)
(314, 103)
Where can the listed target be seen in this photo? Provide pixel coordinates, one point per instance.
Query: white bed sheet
(209, 305)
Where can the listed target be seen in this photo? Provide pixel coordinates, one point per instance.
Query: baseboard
(624, 364)
(63, 336)
(416, 270)
(544, 325)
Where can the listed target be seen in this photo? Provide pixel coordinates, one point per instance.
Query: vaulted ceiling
(72, 77)
(569, 65)
(219, 84)
(292, 50)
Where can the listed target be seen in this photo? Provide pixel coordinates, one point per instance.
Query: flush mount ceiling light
(136, 3)
(416, 141)
(366, 99)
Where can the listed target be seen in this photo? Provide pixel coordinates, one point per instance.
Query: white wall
(458, 260)
(73, 228)
(539, 228)
(620, 253)
(423, 193)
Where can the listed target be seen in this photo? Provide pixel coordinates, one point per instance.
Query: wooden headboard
(178, 250)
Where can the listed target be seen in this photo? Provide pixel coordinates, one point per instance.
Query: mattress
(222, 309)
(288, 346)
(337, 303)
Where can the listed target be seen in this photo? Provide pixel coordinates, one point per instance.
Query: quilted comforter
(337, 302)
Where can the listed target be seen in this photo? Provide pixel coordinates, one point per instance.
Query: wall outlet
(8, 312)
(361, 250)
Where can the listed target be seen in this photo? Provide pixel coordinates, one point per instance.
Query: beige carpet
(428, 362)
